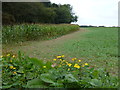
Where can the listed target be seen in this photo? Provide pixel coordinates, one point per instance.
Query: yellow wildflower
(1, 56)
(86, 63)
(13, 56)
(44, 66)
(14, 72)
(79, 60)
(63, 55)
(8, 54)
(63, 60)
(69, 64)
(58, 57)
(76, 66)
(74, 59)
(54, 59)
(11, 67)
(14, 68)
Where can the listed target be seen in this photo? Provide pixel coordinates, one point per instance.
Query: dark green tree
(64, 14)
(34, 12)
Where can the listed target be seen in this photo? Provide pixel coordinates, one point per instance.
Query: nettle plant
(20, 71)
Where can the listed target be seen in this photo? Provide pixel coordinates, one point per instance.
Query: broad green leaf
(70, 78)
(57, 84)
(46, 78)
(37, 86)
(96, 82)
(8, 86)
(36, 81)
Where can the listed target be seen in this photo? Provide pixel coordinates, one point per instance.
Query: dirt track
(43, 48)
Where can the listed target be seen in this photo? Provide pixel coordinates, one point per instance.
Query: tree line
(37, 12)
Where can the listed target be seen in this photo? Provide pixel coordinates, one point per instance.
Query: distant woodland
(37, 12)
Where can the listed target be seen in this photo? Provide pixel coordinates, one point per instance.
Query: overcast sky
(94, 12)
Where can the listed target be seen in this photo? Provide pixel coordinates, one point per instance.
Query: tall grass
(26, 32)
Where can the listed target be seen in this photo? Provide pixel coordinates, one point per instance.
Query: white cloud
(94, 12)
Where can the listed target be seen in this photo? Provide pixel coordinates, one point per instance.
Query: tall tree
(29, 12)
(64, 14)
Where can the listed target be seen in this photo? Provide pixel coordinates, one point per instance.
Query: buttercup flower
(74, 59)
(63, 55)
(14, 72)
(63, 60)
(76, 66)
(1, 56)
(13, 56)
(44, 66)
(11, 67)
(58, 57)
(14, 68)
(79, 60)
(69, 64)
(54, 59)
(86, 63)
(68, 69)
(8, 54)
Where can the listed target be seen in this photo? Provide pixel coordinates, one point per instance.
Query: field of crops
(27, 32)
(87, 60)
